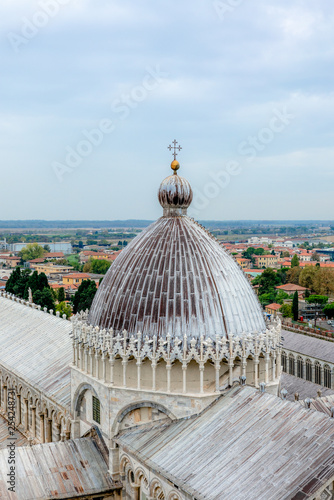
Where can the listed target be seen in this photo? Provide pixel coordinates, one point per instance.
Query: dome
(175, 278)
(175, 193)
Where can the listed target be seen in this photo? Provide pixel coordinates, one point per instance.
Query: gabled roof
(274, 306)
(309, 346)
(290, 287)
(36, 346)
(69, 469)
(246, 445)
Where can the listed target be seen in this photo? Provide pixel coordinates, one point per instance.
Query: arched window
(327, 377)
(309, 370)
(291, 364)
(96, 410)
(300, 373)
(317, 373)
(284, 361)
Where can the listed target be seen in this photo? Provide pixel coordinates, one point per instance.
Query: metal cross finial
(175, 147)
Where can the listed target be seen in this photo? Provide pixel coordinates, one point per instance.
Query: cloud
(225, 78)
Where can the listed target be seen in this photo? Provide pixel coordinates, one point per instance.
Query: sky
(93, 92)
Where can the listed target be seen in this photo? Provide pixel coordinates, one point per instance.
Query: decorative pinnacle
(175, 147)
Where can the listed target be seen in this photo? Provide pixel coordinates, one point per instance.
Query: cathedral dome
(175, 192)
(175, 278)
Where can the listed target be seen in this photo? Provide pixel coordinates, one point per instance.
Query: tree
(100, 266)
(292, 276)
(31, 251)
(47, 248)
(307, 277)
(268, 280)
(324, 281)
(44, 298)
(281, 273)
(285, 254)
(248, 254)
(17, 282)
(286, 310)
(295, 261)
(84, 296)
(315, 256)
(80, 244)
(295, 312)
(328, 310)
(64, 308)
(61, 295)
(317, 299)
(281, 296)
(267, 298)
(259, 251)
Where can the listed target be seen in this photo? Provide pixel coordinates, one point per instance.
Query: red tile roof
(274, 306)
(290, 287)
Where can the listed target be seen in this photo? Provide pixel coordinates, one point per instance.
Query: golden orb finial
(175, 166)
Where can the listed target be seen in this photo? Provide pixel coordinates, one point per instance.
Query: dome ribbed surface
(175, 191)
(175, 278)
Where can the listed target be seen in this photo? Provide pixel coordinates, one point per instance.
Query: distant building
(75, 278)
(50, 269)
(273, 308)
(254, 240)
(291, 288)
(244, 263)
(265, 260)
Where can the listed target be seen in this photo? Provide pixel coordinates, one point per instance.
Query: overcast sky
(93, 92)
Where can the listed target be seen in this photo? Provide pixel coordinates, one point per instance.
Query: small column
(256, 371)
(82, 358)
(90, 371)
(57, 432)
(313, 372)
(5, 398)
(96, 365)
(104, 368)
(274, 365)
(67, 435)
(230, 367)
(124, 364)
(86, 360)
(136, 492)
(33, 420)
(201, 378)
(154, 366)
(18, 410)
(217, 368)
(41, 427)
(49, 430)
(138, 373)
(266, 375)
(243, 366)
(322, 375)
(184, 378)
(26, 414)
(111, 363)
(74, 353)
(278, 365)
(295, 366)
(168, 369)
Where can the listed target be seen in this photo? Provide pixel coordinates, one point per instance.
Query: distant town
(290, 264)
